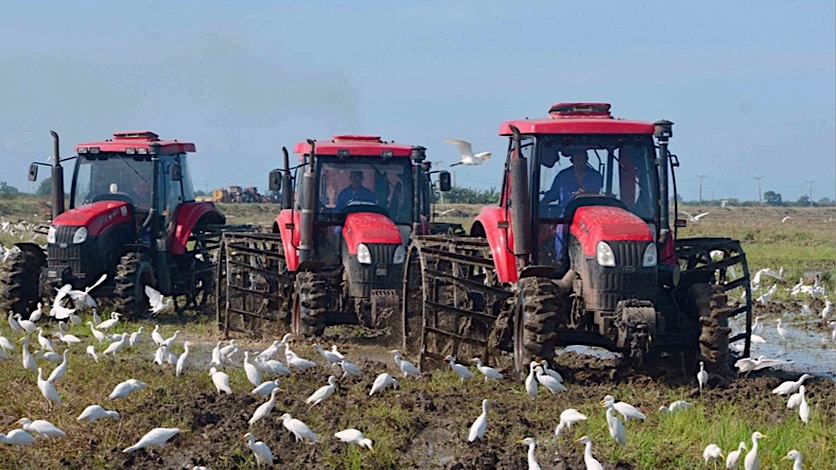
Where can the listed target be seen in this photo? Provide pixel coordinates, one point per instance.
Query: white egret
(115, 346)
(567, 418)
(96, 333)
(169, 342)
(265, 388)
(96, 412)
(183, 360)
(733, 458)
(59, 371)
(329, 356)
(125, 388)
(83, 297)
(335, 351)
(5, 343)
(532, 459)
(322, 393)
(293, 360)
(41, 427)
(795, 456)
(48, 355)
(272, 366)
(460, 370)
(156, 301)
(108, 324)
(531, 386)
(702, 376)
(381, 382)
(694, 218)
(36, 314)
(791, 386)
(253, 374)
(156, 437)
(269, 352)
(47, 389)
(756, 279)
(467, 156)
(349, 368)
(17, 437)
(752, 461)
(265, 408)
(551, 372)
(803, 407)
(626, 410)
(675, 406)
(96, 318)
(67, 338)
(747, 365)
(91, 351)
(27, 325)
(782, 332)
(405, 366)
(13, 324)
(28, 360)
(45, 343)
(548, 381)
(353, 436)
(832, 325)
(228, 351)
(488, 372)
(158, 338)
(135, 336)
(216, 351)
(588, 459)
(826, 311)
(712, 452)
(299, 429)
(617, 431)
(477, 429)
(221, 381)
(262, 453)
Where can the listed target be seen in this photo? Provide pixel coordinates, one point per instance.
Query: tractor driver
(355, 191)
(578, 179)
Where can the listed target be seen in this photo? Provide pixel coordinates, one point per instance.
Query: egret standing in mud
(588, 459)
(263, 454)
(702, 376)
(532, 459)
(477, 429)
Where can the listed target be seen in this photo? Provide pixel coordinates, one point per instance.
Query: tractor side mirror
(33, 172)
(444, 181)
(176, 172)
(275, 180)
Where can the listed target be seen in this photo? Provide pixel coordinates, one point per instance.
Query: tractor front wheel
(20, 282)
(310, 304)
(134, 272)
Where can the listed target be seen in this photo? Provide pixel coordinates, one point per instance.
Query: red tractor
(579, 251)
(336, 251)
(132, 216)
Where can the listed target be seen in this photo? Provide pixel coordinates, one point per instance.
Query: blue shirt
(350, 194)
(565, 184)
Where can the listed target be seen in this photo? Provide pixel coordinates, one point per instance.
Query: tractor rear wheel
(20, 283)
(310, 304)
(133, 273)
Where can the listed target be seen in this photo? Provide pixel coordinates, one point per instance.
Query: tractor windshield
(101, 177)
(383, 183)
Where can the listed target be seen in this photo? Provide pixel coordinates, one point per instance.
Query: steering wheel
(114, 197)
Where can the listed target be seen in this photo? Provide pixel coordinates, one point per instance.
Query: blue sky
(751, 85)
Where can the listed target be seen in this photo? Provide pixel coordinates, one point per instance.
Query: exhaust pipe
(287, 186)
(521, 205)
(57, 178)
(306, 219)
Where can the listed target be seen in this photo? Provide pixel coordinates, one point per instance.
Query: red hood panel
(592, 224)
(96, 216)
(368, 227)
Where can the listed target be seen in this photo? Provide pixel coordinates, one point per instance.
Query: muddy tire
(20, 283)
(712, 306)
(536, 320)
(310, 305)
(133, 273)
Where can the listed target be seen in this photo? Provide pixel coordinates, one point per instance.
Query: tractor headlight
(604, 254)
(364, 256)
(50, 235)
(80, 235)
(399, 255)
(649, 258)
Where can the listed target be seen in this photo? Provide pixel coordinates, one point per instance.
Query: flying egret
(381, 382)
(694, 218)
(322, 393)
(460, 370)
(27, 325)
(183, 360)
(626, 410)
(158, 338)
(675, 406)
(59, 371)
(405, 366)
(353, 436)
(265, 408)
(551, 372)
(795, 456)
(96, 412)
(262, 453)
(702, 376)
(47, 389)
(477, 429)
(531, 386)
(568, 417)
(293, 360)
(329, 356)
(791, 386)
(299, 429)
(615, 426)
(123, 389)
(91, 351)
(548, 381)
(349, 368)
(156, 437)
(253, 374)
(156, 303)
(733, 457)
(221, 381)
(488, 372)
(747, 365)
(756, 279)
(41, 427)
(17, 437)
(752, 461)
(83, 297)
(468, 158)
(532, 459)
(265, 388)
(44, 342)
(712, 452)
(67, 338)
(803, 407)
(588, 459)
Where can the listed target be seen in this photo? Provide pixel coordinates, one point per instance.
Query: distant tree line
(460, 195)
(770, 198)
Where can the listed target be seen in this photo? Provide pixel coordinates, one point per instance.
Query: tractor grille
(627, 280)
(381, 274)
(70, 256)
(628, 253)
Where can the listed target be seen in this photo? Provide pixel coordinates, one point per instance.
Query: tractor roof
(577, 118)
(135, 142)
(355, 145)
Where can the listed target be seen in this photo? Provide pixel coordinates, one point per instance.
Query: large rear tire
(310, 304)
(536, 320)
(20, 283)
(133, 273)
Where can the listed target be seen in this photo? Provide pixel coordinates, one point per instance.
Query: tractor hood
(369, 228)
(592, 224)
(97, 217)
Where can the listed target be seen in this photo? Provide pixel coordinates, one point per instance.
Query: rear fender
(500, 240)
(186, 216)
(287, 223)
